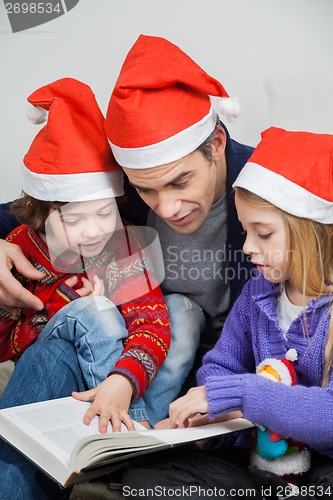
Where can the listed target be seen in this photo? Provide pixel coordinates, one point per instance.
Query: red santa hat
(294, 172)
(70, 158)
(279, 370)
(160, 109)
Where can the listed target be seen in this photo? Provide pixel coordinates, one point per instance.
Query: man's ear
(219, 143)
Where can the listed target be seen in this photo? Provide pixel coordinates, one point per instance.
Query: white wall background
(246, 44)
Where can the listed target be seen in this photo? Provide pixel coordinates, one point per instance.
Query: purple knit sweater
(251, 333)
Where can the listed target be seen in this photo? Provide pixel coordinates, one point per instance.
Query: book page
(61, 423)
(56, 424)
(52, 434)
(88, 453)
(188, 434)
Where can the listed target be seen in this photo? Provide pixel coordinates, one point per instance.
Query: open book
(53, 436)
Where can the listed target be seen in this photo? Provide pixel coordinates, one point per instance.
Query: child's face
(266, 240)
(83, 227)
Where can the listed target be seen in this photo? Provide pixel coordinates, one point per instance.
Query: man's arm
(8, 221)
(131, 207)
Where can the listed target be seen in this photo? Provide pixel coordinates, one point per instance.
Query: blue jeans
(49, 370)
(187, 321)
(97, 329)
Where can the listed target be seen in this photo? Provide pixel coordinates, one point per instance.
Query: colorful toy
(275, 453)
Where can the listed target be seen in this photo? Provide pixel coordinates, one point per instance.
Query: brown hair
(206, 147)
(310, 258)
(33, 212)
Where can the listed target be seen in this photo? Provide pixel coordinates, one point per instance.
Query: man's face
(181, 192)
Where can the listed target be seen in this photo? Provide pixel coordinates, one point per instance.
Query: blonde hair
(310, 258)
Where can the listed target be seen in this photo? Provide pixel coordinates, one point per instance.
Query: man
(163, 130)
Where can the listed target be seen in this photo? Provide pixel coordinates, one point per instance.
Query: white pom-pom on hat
(36, 114)
(291, 355)
(229, 107)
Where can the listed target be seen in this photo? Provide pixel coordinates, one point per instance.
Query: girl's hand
(201, 419)
(112, 398)
(86, 289)
(186, 407)
(97, 288)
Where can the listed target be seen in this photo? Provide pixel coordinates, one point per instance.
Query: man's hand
(12, 293)
(112, 398)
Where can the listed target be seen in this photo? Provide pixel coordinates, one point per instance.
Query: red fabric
(72, 141)
(148, 106)
(146, 317)
(304, 158)
(18, 331)
(275, 436)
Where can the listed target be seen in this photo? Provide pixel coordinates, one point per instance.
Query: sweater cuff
(137, 390)
(224, 393)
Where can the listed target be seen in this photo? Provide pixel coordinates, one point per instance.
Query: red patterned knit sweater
(146, 316)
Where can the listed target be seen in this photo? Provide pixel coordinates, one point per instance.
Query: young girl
(284, 200)
(93, 266)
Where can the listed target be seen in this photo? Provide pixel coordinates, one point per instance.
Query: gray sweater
(195, 265)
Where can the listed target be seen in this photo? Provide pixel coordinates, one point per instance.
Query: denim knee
(187, 319)
(92, 303)
(88, 312)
